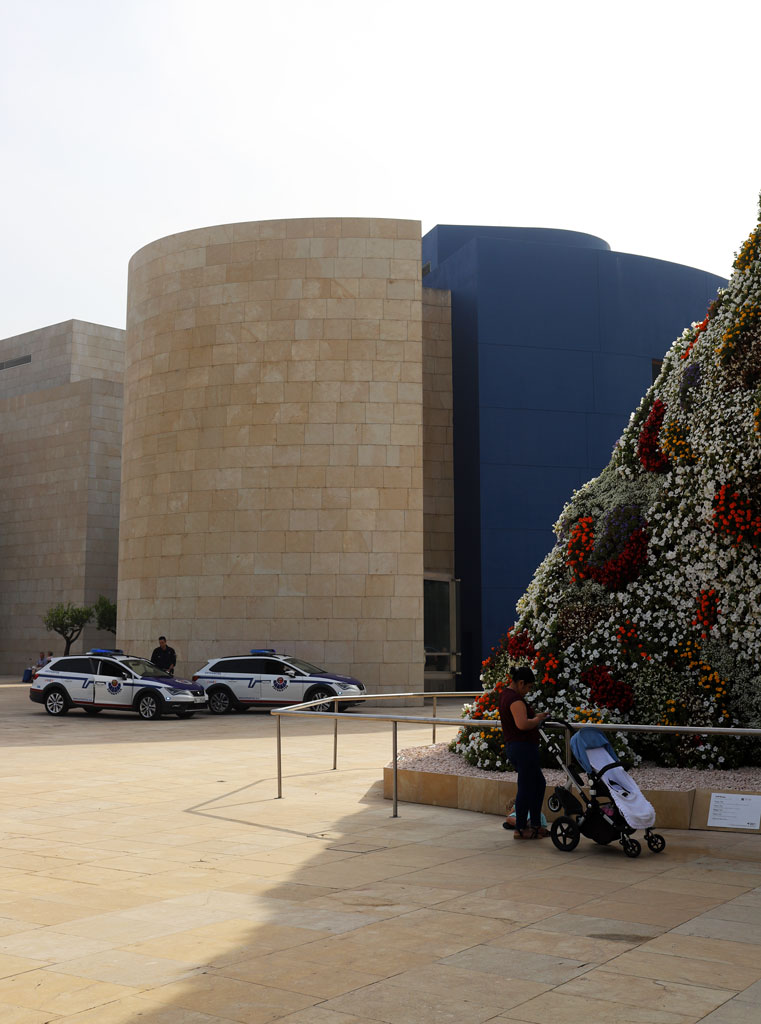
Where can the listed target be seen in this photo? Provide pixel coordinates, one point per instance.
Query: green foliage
(105, 614)
(68, 620)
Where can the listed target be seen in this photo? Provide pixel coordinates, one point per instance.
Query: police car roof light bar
(263, 650)
(104, 650)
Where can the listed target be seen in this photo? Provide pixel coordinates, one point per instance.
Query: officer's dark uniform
(164, 658)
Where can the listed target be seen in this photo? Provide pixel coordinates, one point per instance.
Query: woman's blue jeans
(531, 783)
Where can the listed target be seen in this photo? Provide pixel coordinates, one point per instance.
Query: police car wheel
(56, 701)
(220, 701)
(321, 693)
(149, 707)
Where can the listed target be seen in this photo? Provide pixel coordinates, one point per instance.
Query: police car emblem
(280, 683)
(114, 686)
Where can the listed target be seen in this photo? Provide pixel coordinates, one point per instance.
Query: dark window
(246, 666)
(270, 667)
(18, 361)
(656, 368)
(73, 665)
(113, 669)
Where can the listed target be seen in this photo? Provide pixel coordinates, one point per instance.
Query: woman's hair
(524, 674)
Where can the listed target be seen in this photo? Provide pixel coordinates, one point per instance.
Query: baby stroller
(615, 807)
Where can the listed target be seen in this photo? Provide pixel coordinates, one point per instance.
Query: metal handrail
(480, 723)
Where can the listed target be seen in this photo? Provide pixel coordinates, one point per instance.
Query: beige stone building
(60, 453)
(287, 477)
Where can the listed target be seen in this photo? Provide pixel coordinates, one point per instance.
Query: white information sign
(734, 810)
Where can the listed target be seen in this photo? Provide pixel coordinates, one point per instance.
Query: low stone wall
(684, 809)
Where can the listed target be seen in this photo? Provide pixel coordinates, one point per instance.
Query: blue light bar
(263, 650)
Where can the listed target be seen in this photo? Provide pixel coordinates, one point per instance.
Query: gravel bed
(437, 758)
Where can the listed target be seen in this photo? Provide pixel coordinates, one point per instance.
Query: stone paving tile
(659, 913)
(216, 944)
(194, 899)
(504, 910)
(599, 927)
(392, 1002)
(719, 951)
(556, 1008)
(18, 1015)
(717, 928)
(136, 1011)
(684, 970)
(277, 971)
(601, 983)
(241, 1001)
(545, 968)
(572, 947)
(10, 965)
(119, 966)
(57, 993)
(50, 945)
(735, 1011)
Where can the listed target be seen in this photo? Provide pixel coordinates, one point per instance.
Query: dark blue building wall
(553, 341)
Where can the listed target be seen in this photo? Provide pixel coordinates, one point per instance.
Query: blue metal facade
(553, 339)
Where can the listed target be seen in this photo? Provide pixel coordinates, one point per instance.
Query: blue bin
(27, 677)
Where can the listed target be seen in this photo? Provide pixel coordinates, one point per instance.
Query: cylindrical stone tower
(272, 463)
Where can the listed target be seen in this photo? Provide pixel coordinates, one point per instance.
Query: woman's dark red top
(511, 731)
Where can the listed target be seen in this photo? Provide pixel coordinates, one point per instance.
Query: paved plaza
(148, 874)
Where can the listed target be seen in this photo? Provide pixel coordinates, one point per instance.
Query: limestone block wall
(272, 486)
(54, 355)
(438, 475)
(59, 507)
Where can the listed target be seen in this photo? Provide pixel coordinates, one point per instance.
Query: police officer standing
(164, 656)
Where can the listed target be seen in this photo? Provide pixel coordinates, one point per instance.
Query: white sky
(125, 120)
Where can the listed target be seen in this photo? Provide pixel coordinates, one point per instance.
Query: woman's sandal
(530, 833)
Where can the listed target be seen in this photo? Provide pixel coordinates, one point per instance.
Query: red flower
(650, 454)
(614, 573)
(707, 613)
(606, 691)
(734, 516)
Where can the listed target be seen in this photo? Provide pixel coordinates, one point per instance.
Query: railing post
(396, 776)
(567, 732)
(335, 736)
(433, 735)
(279, 763)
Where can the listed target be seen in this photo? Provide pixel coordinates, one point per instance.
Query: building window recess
(8, 363)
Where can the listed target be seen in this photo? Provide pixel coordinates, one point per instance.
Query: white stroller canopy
(626, 794)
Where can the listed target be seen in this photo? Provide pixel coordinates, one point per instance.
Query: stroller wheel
(553, 803)
(565, 834)
(631, 847)
(656, 842)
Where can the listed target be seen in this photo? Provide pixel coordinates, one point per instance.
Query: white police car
(112, 681)
(265, 679)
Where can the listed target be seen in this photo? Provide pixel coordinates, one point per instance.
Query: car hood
(334, 677)
(178, 684)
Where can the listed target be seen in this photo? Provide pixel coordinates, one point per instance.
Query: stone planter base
(683, 809)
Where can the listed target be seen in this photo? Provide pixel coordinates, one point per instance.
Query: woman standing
(520, 727)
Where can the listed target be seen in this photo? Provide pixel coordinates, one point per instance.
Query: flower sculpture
(648, 608)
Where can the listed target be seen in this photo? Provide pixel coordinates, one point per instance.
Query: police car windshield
(305, 666)
(141, 667)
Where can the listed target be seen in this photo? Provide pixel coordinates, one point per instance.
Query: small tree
(68, 620)
(105, 614)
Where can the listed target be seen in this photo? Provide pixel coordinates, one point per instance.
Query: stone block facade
(438, 475)
(60, 457)
(272, 489)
